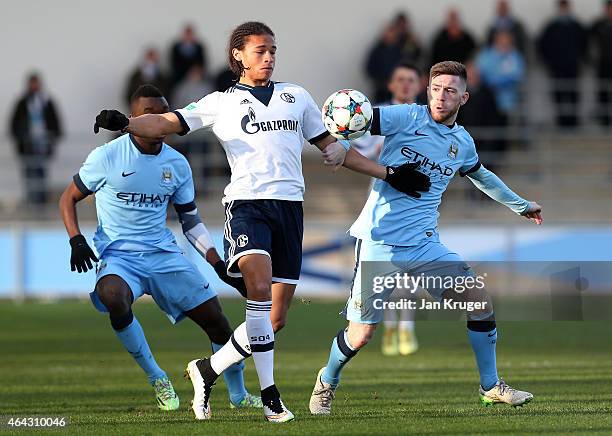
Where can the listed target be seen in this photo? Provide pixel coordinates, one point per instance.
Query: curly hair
(238, 40)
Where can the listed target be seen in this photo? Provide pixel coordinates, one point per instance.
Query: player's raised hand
(534, 213)
(82, 254)
(111, 120)
(235, 282)
(408, 180)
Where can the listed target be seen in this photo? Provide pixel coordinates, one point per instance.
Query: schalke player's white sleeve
(199, 115)
(312, 124)
(92, 175)
(388, 120)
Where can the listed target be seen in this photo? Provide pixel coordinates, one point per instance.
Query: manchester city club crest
(166, 175)
(453, 150)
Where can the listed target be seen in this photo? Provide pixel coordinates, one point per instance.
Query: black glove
(111, 120)
(407, 179)
(235, 282)
(82, 254)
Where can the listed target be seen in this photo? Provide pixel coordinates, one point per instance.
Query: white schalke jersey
(262, 130)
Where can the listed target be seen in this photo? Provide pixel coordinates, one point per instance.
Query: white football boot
(277, 412)
(322, 396)
(201, 391)
(502, 393)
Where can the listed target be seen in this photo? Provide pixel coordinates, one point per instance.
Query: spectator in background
(453, 42)
(409, 42)
(385, 55)
(148, 72)
(225, 79)
(502, 68)
(562, 46)
(186, 53)
(35, 127)
(601, 38)
(508, 23)
(480, 115)
(192, 88)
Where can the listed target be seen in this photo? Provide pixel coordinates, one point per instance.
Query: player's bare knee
(114, 293)
(259, 290)
(360, 334)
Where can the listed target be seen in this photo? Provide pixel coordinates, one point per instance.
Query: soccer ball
(347, 114)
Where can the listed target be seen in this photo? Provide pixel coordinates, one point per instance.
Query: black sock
(206, 371)
(270, 397)
(119, 322)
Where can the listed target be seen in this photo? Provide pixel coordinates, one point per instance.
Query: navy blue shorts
(271, 227)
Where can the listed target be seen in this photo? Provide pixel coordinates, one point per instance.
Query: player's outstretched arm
(495, 188)
(199, 237)
(405, 178)
(81, 253)
(146, 126)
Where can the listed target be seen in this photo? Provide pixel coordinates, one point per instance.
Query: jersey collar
(143, 151)
(442, 128)
(261, 93)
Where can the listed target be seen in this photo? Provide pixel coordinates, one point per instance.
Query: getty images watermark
(521, 291)
(384, 285)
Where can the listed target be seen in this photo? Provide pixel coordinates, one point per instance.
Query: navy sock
(341, 352)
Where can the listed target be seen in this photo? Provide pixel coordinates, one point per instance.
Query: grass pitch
(63, 359)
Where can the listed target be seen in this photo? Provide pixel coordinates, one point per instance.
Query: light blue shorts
(170, 278)
(430, 259)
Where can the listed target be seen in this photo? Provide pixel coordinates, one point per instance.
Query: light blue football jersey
(132, 192)
(411, 135)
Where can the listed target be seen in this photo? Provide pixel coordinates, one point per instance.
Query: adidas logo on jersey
(245, 101)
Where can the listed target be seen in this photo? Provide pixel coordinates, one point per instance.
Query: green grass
(63, 359)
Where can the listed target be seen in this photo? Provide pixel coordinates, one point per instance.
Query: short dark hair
(448, 67)
(146, 90)
(408, 65)
(238, 40)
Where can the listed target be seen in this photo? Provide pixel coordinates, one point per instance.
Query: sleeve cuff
(317, 138)
(375, 128)
(184, 124)
(475, 168)
(187, 207)
(80, 185)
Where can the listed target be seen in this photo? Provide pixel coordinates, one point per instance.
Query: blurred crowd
(498, 64)
(497, 67)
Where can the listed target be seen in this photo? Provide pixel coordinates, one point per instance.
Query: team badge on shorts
(453, 150)
(243, 240)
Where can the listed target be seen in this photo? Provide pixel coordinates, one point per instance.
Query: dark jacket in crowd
(446, 48)
(181, 60)
(20, 127)
(481, 111)
(601, 37)
(562, 46)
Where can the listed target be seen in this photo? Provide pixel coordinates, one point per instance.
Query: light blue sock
(133, 339)
(234, 379)
(483, 344)
(341, 352)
